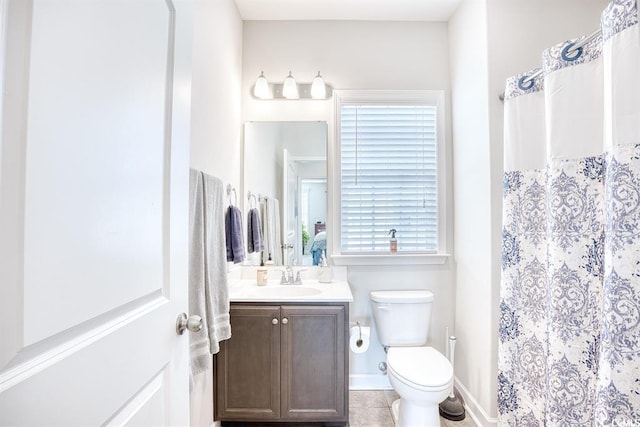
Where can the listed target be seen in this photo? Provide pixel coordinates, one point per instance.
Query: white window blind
(389, 175)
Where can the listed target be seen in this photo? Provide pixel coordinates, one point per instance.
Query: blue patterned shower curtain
(569, 334)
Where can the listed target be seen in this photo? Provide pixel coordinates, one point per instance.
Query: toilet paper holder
(359, 337)
(357, 323)
(359, 342)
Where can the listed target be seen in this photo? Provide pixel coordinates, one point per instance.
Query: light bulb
(318, 88)
(261, 88)
(290, 88)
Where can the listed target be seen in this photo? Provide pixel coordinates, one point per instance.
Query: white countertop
(247, 290)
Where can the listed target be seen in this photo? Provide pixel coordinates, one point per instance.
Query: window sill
(399, 259)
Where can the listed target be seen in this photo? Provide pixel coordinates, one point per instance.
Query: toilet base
(395, 410)
(407, 414)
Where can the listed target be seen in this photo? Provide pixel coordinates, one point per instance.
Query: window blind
(388, 178)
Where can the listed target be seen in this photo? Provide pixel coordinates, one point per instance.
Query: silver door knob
(192, 323)
(274, 321)
(285, 321)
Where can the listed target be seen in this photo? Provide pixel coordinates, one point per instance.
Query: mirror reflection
(285, 179)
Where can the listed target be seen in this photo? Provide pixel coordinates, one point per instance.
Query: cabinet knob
(285, 321)
(274, 321)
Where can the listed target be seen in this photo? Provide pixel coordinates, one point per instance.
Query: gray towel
(233, 235)
(208, 286)
(254, 232)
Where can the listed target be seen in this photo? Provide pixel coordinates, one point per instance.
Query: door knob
(285, 321)
(274, 321)
(192, 323)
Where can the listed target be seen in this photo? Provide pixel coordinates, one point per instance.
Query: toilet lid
(402, 297)
(424, 366)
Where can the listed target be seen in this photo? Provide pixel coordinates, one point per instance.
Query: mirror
(285, 171)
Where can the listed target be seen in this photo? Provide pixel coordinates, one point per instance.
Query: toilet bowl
(420, 374)
(423, 378)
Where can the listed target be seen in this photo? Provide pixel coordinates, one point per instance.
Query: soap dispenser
(326, 273)
(269, 261)
(393, 242)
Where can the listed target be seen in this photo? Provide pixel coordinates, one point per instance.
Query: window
(389, 148)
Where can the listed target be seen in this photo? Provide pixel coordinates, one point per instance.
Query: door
(314, 385)
(290, 233)
(248, 366)
(94, 211)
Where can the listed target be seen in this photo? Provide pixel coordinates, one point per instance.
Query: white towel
(208, 287)
(271, 230)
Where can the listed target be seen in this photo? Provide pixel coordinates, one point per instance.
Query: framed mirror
(285, 179)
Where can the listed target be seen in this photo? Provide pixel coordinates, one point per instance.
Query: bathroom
(470, 56)
(468, 52)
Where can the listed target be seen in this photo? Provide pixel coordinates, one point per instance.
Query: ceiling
(356, 10)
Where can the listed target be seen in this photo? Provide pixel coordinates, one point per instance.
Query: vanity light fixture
(290, 89)
(261, 88)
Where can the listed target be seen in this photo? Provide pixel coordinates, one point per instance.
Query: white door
(289, 210)
(94, 211)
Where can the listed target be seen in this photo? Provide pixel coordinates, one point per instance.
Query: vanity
(287, 358)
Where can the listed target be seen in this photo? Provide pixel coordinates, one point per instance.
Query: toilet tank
(402, 317)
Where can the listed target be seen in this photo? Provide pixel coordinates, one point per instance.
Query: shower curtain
(569, 330)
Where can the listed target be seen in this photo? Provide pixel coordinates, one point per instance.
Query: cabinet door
(248, 366)
(313, 363)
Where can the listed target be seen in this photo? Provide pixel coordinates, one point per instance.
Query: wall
(217, 69)
(491, 40)
(356, 55)
(263, 160)
(349, 54)
(472, 190)
(317, 195)
(215, 126)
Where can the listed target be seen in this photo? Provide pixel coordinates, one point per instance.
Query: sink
(247, 290)
(286, 291)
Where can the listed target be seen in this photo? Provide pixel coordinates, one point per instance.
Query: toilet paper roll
(359, 338)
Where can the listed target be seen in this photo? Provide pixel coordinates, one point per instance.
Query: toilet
(421, 375)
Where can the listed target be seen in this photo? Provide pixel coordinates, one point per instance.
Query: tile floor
(372, 408)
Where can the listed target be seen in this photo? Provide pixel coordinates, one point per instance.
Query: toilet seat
(423, 368)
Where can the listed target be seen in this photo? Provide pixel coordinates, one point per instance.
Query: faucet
(298, 280)
(287, 276)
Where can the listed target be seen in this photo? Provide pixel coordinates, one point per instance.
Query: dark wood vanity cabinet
(285, 362)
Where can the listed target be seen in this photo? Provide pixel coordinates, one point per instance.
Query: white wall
(355, 55)
(349, 54)
(491, 40)
(262, 160)
(317, 196)
(472, 190)
(215, 126)
(217, 69)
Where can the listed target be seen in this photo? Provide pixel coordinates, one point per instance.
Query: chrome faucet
(298, 280)
(287, 277)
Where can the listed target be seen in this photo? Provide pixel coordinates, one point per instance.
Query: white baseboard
(473, 408)
(369, 382)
